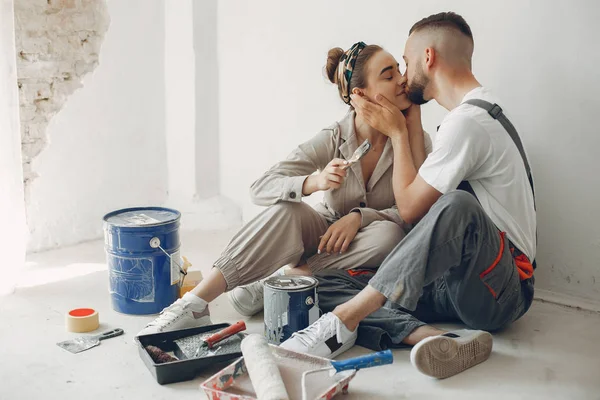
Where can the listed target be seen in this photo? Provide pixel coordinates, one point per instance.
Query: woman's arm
(292, 178)
(310, 185)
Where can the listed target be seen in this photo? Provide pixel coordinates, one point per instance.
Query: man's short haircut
(443, 20)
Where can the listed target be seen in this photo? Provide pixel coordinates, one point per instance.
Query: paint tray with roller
(305, 377)
(186, 353)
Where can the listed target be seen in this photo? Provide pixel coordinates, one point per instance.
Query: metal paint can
(142, 252)
(291, 304)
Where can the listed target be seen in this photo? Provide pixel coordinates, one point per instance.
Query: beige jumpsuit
(289, 230)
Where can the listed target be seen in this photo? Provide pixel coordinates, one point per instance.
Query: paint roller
(158, 355)
(215, 338)
(263, 369)
(356, 363)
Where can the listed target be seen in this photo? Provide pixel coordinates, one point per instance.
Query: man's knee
(458, 202)
(458, 199)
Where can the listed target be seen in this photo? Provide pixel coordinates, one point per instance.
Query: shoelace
(325, 327)
(170, 314)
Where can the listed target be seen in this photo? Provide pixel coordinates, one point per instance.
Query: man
(467, 257)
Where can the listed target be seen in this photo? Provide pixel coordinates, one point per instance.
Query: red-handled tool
(222, 334)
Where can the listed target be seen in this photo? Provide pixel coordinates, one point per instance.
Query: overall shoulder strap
(495, 111)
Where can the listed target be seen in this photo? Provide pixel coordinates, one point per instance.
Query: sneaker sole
(239, 307)
(442, 357)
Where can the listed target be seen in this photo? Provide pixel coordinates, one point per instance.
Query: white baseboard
(567, 300)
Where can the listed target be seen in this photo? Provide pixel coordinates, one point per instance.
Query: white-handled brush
(359, 153)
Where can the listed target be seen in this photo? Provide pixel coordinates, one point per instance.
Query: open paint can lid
(291, 283)
(142, 217)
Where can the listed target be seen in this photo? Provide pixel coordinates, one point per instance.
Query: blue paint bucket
(291, 304)
(142, 252)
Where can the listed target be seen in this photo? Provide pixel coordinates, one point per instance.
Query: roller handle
(225, 333)
(368, 361)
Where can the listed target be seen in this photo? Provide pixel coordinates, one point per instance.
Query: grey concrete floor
(553, 352)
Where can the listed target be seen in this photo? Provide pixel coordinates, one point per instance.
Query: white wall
(13, 232)
(207, 94)
(180, 100)
(107, 145)
(540, 57)
(191, 88)
(192, 136)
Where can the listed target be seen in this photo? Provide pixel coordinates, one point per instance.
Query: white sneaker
(451, 353)
(188, 312)
(327, 337)
(249, 299)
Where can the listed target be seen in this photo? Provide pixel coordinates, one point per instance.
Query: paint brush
(359, 153)
(210, 341)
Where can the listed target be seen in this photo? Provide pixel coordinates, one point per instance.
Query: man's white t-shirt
(470, 145)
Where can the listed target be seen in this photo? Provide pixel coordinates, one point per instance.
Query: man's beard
(416, 89)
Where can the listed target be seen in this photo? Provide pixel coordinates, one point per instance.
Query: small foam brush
(231, 330)
(359, 153)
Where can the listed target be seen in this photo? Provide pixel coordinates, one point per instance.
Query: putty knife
(83, 343)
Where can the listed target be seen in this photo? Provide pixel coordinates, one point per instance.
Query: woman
(357, 223)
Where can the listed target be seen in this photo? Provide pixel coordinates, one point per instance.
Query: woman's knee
(385, 236)
(287, 209)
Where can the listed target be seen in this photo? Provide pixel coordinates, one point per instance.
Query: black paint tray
(183, 369)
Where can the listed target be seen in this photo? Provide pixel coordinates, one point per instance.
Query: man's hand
(383, 116)
(340, 234)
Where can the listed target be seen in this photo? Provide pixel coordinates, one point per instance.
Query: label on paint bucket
(132, 278)
(176, 261)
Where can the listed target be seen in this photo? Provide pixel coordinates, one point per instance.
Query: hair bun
(333, 60)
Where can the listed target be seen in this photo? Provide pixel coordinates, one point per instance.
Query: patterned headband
(345, 69)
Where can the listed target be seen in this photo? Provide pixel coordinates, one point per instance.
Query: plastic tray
(183, 369)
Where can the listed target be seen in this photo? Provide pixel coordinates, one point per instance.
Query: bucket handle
(155, 244)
